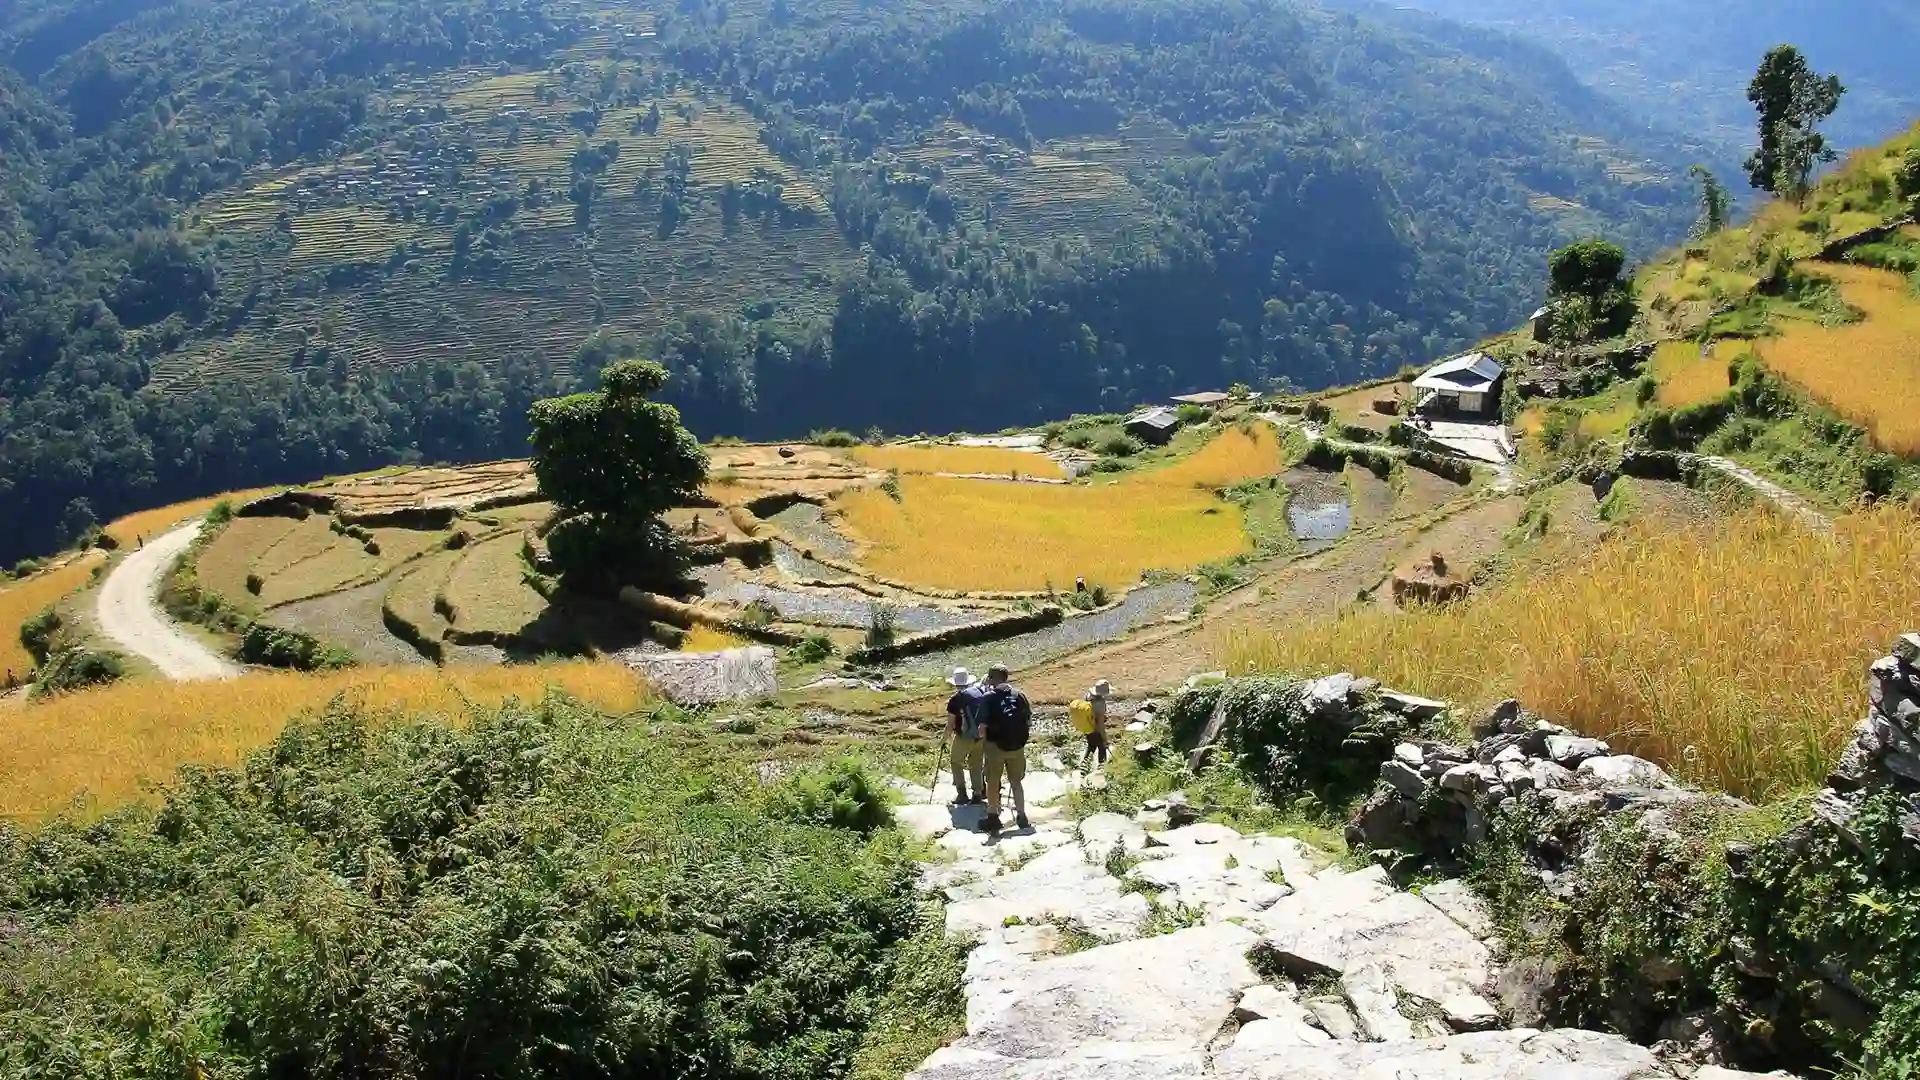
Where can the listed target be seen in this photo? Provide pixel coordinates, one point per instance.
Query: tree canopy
(1591, 294)
(1792, 101)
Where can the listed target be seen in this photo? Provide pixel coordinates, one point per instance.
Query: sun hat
(1101, 688)
(961, 677)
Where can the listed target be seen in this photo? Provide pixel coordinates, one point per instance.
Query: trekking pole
(934, 783)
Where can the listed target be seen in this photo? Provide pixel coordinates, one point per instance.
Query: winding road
(129, 613)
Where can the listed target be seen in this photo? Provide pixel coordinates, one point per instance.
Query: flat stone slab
(707, 678)
(1344, 921)
(1057, 884)
(1115, 1063)
(1457, 902)
(1173, 991)
(1521, 1054)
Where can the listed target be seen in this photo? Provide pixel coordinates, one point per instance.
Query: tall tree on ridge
(1715, 202)
(1792, 100)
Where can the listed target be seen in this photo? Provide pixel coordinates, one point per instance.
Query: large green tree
(613, 461)
(1715, 203)
(1590, 293)
(1792, 100)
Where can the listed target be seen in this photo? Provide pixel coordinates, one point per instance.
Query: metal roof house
(1153, 426)
(1207, 398)
(1466, 385)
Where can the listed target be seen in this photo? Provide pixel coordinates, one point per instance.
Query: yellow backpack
(1081, 713)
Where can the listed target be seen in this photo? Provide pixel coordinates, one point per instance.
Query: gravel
(830, 607)
(809, 523)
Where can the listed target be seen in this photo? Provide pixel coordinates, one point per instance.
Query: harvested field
(337, 561)
(486, 590)
(435, 488)
(1043, 534)
(349, 619)
(1356, 406)
(22, 600)
(225, 562)
(90, 752)
(410, 594)
(961, 460)
(1826, 360)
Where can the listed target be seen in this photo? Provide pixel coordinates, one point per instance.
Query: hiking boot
(977, 800)
(1022, 822)
(961, 800)
(990, 823)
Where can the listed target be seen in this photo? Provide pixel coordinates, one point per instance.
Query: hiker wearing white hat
(1097, 751)
(969, 739)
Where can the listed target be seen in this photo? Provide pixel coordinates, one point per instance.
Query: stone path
(1766, 489)
(1282, 967)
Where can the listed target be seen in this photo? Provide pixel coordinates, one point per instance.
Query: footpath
(1152, 947)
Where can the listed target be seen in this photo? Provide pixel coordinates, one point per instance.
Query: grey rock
(1497, 719)
(1472, 779)
(1715, 1072)
(1625, 770)
(1457, 902)
(1492, 1055)
(1493, 746)
(1548, 776)
(1335, 1018)
(1328, 696)
(1266, 1002)
(1266, 1035)
(1467, 1011)
(1103, 834)
(1180, 812)
(1906, 649)
(1405, 779)
(1416, 708)
(1510, 755)
(1175, 990)
(1056, 884)
(1410, 755)
(1340, 922)
(1118, 1062)
(1216, 726)
(1524, 986)
(1838, 813)
(1569, 751)
(1370, 991)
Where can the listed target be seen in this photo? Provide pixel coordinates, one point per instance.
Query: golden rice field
(1240, 453)
(127, 530)
(1868, 371)
(22, 600)
(1687, 377)
(99, 749)
(1678, 646)
(957, 459)
(996, 535)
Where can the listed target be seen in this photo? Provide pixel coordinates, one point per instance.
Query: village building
(1465, 386)
(1153, 426)
(1207, 399)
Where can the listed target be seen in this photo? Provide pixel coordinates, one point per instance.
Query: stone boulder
(1495, 1055)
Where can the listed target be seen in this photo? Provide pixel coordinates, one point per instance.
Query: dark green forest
(1320, 196)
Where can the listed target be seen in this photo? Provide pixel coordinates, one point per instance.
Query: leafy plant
(841, 794)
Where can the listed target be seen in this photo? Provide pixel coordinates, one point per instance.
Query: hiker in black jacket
(1008, 719)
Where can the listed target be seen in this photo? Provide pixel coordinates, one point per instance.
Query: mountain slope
(258, 241)
(1686, 64)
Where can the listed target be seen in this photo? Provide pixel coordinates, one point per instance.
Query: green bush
(221, 512)
(76, 668)
(1118, 444)
(1193, 414)
(834, 437)
(813, 649)
(273, 646)
(1284, 750)
(841, 794)
(39, 633)
(541, 892)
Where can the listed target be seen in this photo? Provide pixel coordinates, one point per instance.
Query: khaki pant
(969, 761)
(1012, 764)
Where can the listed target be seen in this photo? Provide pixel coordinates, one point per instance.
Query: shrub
(813, 649)
(841, 794)
(1318, 412)
(220, 513)
(371, 547)
(833, 437)
(76, 668)
(458, 539)
(540, 891)
(1284, 748)
(881, 623)
(273, 646)
(255, 583)
(39, 633)
(1119, 444)
(1193, 414)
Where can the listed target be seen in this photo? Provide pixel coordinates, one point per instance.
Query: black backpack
(1009, 718)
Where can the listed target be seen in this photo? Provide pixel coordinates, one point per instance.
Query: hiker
(1079, 584)
(969, 746)
(11, 681)
(1089, 715)
(1007, 717)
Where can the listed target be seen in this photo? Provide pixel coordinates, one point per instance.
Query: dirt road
(129, 613)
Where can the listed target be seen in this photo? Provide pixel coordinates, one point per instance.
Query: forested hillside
(259, 241)
(1684, 65)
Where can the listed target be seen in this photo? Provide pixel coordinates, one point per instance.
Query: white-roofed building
(1465, 385)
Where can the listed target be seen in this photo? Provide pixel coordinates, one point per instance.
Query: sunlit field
(97, 749)
(1686, 647)
(151, 523)
(1236, 455)
(22, 600)
(1828, 361)
(1685, 376)
(961, 460)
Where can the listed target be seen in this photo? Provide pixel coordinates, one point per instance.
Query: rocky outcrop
(1119, 948)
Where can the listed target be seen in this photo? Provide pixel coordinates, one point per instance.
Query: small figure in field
(1007, 718)
(1079, 584)
(1089, 715)
(11, 680)
(1439, 564)
(969, 742)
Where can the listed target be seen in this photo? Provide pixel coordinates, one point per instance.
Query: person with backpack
(1089, 715)
(1008, 720)
(969, 743)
